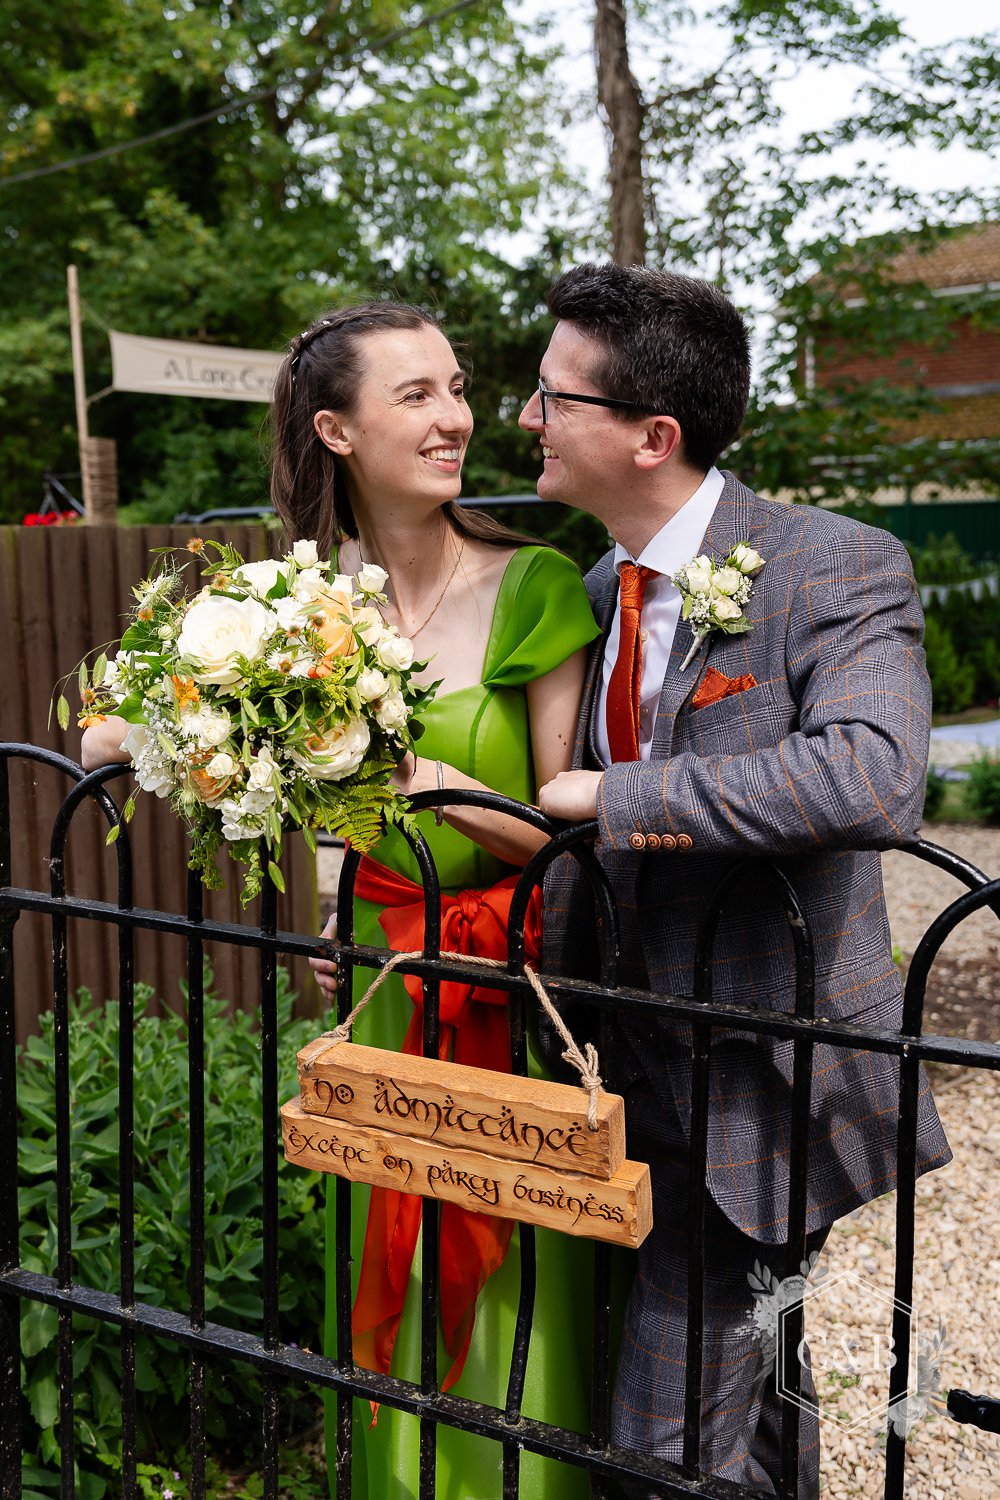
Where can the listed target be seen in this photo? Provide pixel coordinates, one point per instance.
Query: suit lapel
(732, 522)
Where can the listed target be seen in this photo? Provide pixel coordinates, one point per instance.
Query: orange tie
(626, 678)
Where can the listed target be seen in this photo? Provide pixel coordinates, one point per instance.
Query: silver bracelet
(438, 814)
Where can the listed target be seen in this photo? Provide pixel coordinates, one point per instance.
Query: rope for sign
(586, 1062)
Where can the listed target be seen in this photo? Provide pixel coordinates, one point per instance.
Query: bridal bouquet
(276, 698)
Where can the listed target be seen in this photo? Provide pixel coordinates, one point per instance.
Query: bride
(369, 430)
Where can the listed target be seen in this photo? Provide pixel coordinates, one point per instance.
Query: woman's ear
(661, 439)
(330, 431)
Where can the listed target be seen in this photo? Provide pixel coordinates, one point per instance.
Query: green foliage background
(395, 154)
(162, 1227)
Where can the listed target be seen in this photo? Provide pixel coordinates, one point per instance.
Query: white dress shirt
(674, 544)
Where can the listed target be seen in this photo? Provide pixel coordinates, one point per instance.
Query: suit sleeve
(852, 772)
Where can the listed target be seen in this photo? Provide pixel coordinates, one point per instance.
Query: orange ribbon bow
(474, 1032)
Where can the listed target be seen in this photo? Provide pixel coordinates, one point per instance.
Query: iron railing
(283, 1366)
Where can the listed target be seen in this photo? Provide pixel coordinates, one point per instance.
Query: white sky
(816, 98)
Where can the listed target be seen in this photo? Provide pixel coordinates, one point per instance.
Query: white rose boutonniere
(714, 596)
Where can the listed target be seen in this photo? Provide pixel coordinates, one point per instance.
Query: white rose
(746, 559)
(341, 583)
(699, 576)
(724, 609)
(218, 630)
(391, 712)
(369, 624)
(292, 613)
(305, 554)
(372, 684)
(308, 584)
(210, 726)
(727, 580)
(260, 576)
(261, 772)
(372, 578)
(221, 766)
(395, 652)
(334, 755)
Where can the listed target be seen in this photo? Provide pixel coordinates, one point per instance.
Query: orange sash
(473, 1031)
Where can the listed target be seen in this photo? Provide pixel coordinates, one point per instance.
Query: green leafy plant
(935, 795)
(162, 1222)
(983, 788)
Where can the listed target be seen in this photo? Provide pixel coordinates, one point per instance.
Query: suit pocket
(751, 720)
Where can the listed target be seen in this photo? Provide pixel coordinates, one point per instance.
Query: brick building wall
(970, 360)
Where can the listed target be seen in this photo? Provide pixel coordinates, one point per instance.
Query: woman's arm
(101, 743)
(553, 709)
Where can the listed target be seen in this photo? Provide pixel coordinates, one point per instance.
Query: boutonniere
(714, 595)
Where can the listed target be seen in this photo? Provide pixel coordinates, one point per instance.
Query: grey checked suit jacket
(819, 765)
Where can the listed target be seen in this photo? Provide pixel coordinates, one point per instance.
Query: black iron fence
(284, 1367)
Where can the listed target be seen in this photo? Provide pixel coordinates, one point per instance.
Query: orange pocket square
(715, 685)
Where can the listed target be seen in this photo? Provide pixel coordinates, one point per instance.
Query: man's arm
(854, 771)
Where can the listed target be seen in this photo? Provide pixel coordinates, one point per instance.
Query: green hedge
(233, 1230)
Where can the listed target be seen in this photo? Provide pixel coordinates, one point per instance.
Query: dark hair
(322, 371)
(668, 343)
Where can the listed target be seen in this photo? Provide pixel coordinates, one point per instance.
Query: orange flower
(220, 581)
(186, 692)
(87, 719)
(88, 695)
(145, 614)
(195, 545)
(322, 668)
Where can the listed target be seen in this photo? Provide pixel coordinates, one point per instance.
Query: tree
(364, 148)
(730, 194)
(619, 97)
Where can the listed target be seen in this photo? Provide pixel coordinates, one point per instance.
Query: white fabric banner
(166, 367)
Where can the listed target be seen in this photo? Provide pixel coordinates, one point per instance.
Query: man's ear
(330, 431)
(661, 440)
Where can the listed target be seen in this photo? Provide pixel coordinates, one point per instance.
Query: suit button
(685, 841)
(637, 840)
(653, 841)
(668, 841)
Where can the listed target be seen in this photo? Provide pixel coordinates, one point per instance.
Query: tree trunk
(619, 97)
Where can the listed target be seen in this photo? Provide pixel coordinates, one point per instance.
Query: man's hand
(572, 796)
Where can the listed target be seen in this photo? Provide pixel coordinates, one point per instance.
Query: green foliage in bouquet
(162, 1253)
(277, 698)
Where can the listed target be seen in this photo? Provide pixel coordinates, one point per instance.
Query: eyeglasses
(546, 395)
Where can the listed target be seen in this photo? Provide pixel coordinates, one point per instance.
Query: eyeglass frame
(544, 394)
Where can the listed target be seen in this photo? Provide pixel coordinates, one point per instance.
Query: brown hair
(323, 370)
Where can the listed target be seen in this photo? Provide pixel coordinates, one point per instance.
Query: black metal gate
(283, 1366)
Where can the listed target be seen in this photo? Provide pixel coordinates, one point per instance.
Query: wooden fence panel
(63, 591)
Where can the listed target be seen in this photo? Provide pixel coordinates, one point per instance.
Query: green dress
(541, 617)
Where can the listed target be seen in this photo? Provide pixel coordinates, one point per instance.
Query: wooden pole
(79, 387)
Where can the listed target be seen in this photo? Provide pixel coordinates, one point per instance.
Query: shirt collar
(677, 542)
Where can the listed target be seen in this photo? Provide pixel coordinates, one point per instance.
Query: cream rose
(372, 684)
(372, 579)
(391, 712)
(727, 580)
(221, 766)
(370, 624)
(724, 609)
(209, 726)
(260, 576)
(746, 559)
(395, 652)
(218, 630)
(699, 576)
(334, 755)
(305, 554)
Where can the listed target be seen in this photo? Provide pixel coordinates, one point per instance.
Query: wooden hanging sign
(618, 1210)
(523, 1119)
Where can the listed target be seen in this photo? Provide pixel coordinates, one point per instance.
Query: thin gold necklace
(437, 602)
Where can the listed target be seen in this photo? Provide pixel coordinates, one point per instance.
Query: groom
(803, 739)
